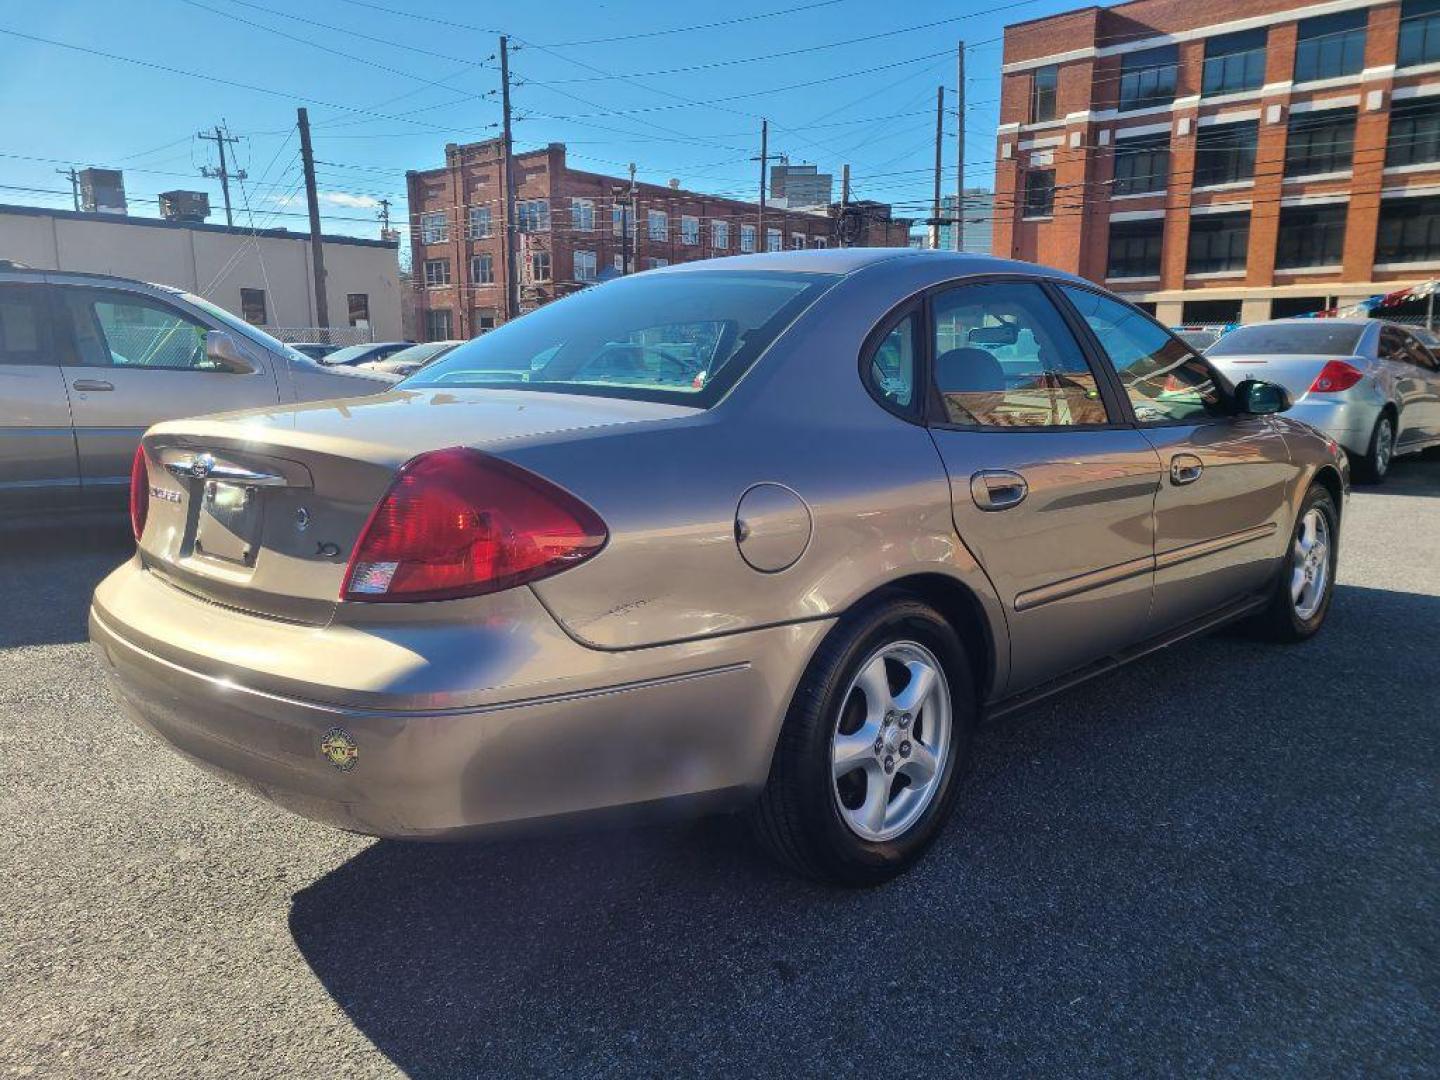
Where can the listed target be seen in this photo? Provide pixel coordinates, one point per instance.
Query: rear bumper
(691, 722)
(1350, 423)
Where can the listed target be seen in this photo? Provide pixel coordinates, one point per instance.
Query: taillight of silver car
(1335, 376)
(139, 492)
(459, 523)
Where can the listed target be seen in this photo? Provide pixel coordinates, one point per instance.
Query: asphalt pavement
(1223, 860)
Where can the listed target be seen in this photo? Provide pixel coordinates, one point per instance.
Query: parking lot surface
(1225, 858)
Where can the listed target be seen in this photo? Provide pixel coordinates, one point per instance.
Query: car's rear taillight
(458, 523)
(1335, 376)
(139, 492)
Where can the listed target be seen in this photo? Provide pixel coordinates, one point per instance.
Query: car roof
(1359, 321)
(850, 260)
(82, 277)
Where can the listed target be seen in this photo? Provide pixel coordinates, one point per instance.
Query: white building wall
(213, 263)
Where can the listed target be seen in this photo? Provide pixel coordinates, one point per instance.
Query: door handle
(1185, 469)
(91, 384)
(998, 489)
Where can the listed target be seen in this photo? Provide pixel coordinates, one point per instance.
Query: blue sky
(389, 82)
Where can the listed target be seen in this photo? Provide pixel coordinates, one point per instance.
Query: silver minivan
(89, 361)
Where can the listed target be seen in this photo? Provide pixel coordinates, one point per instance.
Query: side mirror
(221, 350)
(1255, 397)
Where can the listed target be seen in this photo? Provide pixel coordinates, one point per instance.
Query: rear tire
(872, 749)
(1375, 465)
(1306, 584)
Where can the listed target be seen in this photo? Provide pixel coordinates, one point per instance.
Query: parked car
(88, 362)
(408, 361)
(355, 355)
(785, 572)
(314, 350)
(1200, 336)
(1372, 385)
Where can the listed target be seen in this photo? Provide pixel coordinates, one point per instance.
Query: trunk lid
(1296, 372)
(260, 510)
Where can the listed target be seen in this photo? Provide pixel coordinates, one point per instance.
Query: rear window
(674, 337)
(1281, 338)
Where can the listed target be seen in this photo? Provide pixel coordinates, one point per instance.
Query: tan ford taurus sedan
(769, 533)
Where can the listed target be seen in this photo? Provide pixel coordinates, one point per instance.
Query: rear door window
(24, 326)
(1165, 381)
(1005, 358)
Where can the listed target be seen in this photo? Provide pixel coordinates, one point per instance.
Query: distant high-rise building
(801, 186)
(978, 212)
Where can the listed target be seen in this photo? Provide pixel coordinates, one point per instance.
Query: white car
(1371, 385)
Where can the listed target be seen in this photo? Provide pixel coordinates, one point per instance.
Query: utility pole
(958, 226)
(512, 297)
(632, 244)
(844, 186)
(939, 140)
(317, 247)
(760, 244)
(74, 178)
(220, 139)
(384, 216)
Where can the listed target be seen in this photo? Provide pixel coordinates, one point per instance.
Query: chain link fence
(321, 335)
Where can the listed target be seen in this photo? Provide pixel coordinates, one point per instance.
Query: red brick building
(1234, 159)
(569, 231)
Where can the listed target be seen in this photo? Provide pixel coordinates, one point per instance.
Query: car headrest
(968, 371)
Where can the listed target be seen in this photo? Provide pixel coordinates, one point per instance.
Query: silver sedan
(1372, 385)
(769, 534)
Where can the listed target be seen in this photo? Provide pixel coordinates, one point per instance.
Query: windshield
(1289, 338)
(417, 354)
(240, 326)
(678, 337)
(347, 355)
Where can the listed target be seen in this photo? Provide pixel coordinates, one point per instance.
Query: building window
(821, 241)
(438, 325)
(1330, 45)
(1210, 311)
(1225, 153)
(1414, 132)
(1320, 142)
(1234, 63)
(533, 215)
(720, 235)
(656, 264)
(437, 273)
(1311, 236)
(1419, 32)
(539, 266)
(584, 266)
(1409, 230)
(484, 319)
(1218, 242)
(1042, 93)
(482, 269)
(657, 225)
(1142, 164)
(252, 306)
(773, 240)
(618, 261)
(582, 215)
(357, 306)
(747, 238)
(479, 222)
(797, 241)
(1135, 248)
(689, 230)
(434, 227)
(1147, 78)
(1040, 193)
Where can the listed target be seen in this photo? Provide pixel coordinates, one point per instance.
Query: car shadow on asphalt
(48, 569)
(1160, 845)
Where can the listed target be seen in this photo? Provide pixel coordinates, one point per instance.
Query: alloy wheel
(1310, 563)
(1384, 445)
(891, 741)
